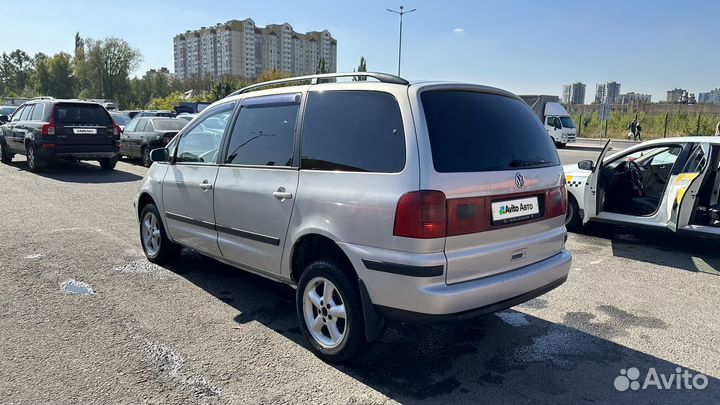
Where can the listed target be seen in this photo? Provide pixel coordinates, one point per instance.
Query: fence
(654, 125)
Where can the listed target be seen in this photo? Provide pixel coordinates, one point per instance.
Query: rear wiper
(527, 163)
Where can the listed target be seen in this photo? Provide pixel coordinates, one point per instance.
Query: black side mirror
(714, 212)
(586, 165)
(4, 119)
(160, 155)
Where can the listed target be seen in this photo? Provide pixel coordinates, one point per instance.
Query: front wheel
(330, 312)
(155, 243)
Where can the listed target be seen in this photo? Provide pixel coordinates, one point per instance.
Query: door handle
(205, 185)
(281, 194)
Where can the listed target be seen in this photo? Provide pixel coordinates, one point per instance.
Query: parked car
(375, 199)
(48, 129)
(142, 135)
(153, 113)
(120, 119)
(5, 112)
(668, 184)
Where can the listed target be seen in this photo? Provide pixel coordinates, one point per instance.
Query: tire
(561, 145)
(108, 163)
(5, 156)
(327, 345)
(34, 163)
(573, 222)
(156, 245)
(147, 162)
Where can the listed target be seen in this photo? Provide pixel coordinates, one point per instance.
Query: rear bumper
(78, 152)
(426, 296)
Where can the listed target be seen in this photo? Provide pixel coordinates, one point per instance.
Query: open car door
(593, 194)
(685, 186)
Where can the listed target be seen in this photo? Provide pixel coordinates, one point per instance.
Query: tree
(321, 67)
(60, 70)
(102, 67)
(17, 69)
(362, 67)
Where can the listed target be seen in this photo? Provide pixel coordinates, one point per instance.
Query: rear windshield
(169, 125)
(477, 132)
(82, 114)
(120, 119)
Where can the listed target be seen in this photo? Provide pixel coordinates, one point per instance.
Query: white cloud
(458, 30)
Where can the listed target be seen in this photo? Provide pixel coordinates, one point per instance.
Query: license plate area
(515, 210)
(85, 131)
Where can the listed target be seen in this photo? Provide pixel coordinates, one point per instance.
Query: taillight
(49, 128)
(468, 215)
(421, 214)
(556, 202)
(116, 130)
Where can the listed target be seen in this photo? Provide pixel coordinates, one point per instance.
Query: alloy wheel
(150, 233)
(324, 312)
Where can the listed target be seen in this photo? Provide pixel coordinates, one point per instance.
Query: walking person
(632, 127)
(638, 129)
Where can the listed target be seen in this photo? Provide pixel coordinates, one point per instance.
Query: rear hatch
(501, 177)
(83, 124)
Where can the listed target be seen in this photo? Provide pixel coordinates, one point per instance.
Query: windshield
(476, 132)
(169, 124)
(120, 119)
(567, 122)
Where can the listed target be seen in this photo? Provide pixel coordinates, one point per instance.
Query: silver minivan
(375, 198)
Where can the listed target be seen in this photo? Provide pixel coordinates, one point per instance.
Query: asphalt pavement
(84, 318)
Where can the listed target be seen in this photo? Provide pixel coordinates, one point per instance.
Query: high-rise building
(574, 93)
(710, 97)
(675, 95)
(607, 92)
(631, 97)
(240, 48)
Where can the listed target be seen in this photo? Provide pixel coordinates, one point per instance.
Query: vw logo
(519, 180)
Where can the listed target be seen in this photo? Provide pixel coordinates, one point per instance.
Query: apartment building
(574, 93)
(631, 97)
(607, 92)
(242, 49)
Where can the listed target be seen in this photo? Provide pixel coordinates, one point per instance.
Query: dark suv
(50, 129)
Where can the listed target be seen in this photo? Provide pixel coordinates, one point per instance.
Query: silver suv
(376, 199)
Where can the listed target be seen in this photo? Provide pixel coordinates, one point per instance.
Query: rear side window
(82, 114)
(142, 126)
(38, 113)
(25, 115)
(358, 131)
(264, 132)
(477, 132)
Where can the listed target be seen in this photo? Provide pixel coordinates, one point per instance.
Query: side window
(25, 115)
(18, 113)
(131, 126)
(696, 161)
(264, 131)
(38, 113)
(141, 126)
(358, 131)
(550, 121)
(201, 143)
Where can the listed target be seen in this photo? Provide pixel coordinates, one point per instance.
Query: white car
(665, 183)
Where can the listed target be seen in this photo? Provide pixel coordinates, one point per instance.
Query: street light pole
(401, 12)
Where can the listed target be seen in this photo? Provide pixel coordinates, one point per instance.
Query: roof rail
(315, 79)
(43, 98)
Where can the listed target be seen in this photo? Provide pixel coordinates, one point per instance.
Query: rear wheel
(5, 156)
(35, 164)
(153, 238)
(330, 312)
(147, 162)
(108, 163)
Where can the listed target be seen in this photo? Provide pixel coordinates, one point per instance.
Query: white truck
(553, 115)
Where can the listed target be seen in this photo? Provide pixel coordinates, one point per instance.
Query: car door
(137, 137)
(18, 128)
(257, 182)
(10, 133)
(593, 193)
(685, 186)
(188, 186)
(126, 136)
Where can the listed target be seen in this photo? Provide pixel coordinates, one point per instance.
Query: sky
(525, 46)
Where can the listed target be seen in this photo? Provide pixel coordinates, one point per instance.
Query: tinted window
(353, 131)
(120, 119)
(475, 132)
(82, 114)
(264, 133)
(38, 113)
(18, 113)
(201, 143)
(169, 124)
(25, 114)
